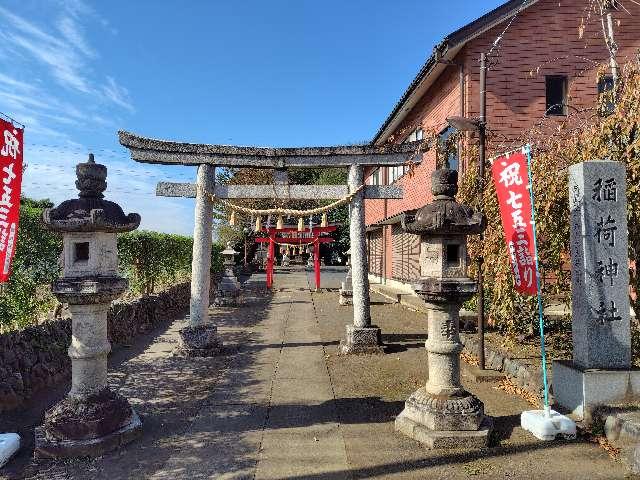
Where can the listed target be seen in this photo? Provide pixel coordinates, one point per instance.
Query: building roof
(394, 219)
(446, 50)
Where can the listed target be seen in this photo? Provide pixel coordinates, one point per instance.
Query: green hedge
(26, 295)
(153, 259)
(149, 259)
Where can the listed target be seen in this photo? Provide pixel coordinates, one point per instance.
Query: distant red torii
(315, 238)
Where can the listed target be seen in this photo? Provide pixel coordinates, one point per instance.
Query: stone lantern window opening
(81, 252)
(452, 256)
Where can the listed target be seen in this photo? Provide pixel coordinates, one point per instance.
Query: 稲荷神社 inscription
(600, 265)
(601, 368)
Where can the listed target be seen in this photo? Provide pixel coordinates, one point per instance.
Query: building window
(395, 172)
(605, 87)
(375, 178)
(556, 86)
(445, 145)
(416, 135)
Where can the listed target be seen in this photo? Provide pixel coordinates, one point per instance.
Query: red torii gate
(316, 239)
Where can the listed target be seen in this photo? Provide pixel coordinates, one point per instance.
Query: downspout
(461, 82)
(385, 178)
(461, 86)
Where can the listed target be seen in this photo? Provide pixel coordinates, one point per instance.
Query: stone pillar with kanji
(442, 414)
(600, 372)
(92, 419)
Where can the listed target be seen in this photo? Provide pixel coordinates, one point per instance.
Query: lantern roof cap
(90, 212)
(445, 216)
(229, 250)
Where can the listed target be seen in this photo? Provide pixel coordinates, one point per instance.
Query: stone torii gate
(200, 338)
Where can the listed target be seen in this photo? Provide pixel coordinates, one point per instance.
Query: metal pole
(611, 43)
(481, 159)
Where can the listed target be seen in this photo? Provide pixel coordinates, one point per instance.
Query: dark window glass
(443, 138)
(556, 95)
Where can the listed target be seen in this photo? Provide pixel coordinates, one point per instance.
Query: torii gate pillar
(361, 337)
(200, 338)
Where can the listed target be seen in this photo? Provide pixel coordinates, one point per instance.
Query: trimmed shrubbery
(150, 260)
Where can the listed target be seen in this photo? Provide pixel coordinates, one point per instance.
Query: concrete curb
(525, 376)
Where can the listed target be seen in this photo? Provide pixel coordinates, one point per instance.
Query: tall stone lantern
(91, 419)
(346, 290)
(228, 288)
(442, 414)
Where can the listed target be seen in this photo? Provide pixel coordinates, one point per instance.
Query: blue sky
(281, 73)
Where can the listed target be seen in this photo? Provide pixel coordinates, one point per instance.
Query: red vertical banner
(511, 178)
(11, 151)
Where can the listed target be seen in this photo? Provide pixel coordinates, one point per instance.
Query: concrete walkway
(263, 420)
(282, 405)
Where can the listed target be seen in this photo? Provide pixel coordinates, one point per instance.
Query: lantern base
(445, 421)
(346, 297)
(226, 299)
(87, 426)
(362, 340)
(445, 439)
(200, 341)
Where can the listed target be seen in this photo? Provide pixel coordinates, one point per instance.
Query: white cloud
(74, 34)
(12, 82)
(64, 52)
(55, 86)
(117, 94)
(62, 58)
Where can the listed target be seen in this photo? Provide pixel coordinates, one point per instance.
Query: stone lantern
(91, 419)
(228, 288)
(310, 259)
(346, 292)
(442, 414)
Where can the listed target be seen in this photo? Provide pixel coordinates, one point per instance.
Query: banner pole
(527, 151)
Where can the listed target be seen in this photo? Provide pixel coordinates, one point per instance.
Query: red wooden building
(544, 66)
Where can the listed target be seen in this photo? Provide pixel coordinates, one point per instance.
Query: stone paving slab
(223, 442)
